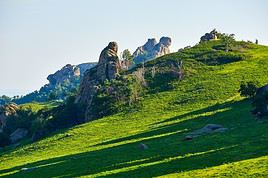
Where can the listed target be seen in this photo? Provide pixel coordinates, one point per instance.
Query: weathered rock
(70, 72)
(60, 83)
(6, 111)
(208, 129)
(109, 65)
(143, 146)
(213, 35)
(151, 49)
(107, 69)
(18, 134)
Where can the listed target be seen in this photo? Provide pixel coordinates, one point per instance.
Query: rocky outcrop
(67, 72)
(60, 84)
(107, 69)
(5, 112)
(208, 129)
(151, 49)
(213, 35)
(70, 72)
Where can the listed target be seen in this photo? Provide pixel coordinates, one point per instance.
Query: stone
(213, 35)
(107, 68)
(18, 134)
(70, 72)
(151, 49)
(6, 111)
(208, 129)
(143, 146)
(109, 65)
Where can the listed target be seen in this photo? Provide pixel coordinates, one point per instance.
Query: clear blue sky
(37, 37)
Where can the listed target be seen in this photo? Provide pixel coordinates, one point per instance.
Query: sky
(38, 37)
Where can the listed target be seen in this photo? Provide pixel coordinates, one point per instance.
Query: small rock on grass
(143, 146)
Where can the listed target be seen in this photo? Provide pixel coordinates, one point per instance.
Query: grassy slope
(35, 106)
(109, 146)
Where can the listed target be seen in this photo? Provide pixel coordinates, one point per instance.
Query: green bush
(248, 89)
(114, 95)
(22, 119)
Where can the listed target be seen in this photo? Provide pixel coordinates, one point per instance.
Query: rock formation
(5, 111)
(60, 83)
(151, 49)
(208, 129)
(107, 69)
(70, 72)
(213, 35)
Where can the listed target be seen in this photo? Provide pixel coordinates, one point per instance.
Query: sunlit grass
(110, 146)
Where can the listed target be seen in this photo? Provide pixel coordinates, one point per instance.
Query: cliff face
(151, 49)
(107, 69)
(69, 72)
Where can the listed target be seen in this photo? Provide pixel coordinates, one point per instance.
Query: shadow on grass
(167, 152)
(182, 126)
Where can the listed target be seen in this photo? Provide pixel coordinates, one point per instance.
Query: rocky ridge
(107, 69)
(152, 49)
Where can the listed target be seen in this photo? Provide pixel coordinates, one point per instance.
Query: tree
(52, 96)
(4, 99)
(228, 41)
(248, 89)
(127, 58)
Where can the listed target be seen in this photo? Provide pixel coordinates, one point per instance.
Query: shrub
(22, 119)
(114, 95)
(67, 114)
(248, 89)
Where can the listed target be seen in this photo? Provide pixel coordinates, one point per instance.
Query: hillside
(208, 94)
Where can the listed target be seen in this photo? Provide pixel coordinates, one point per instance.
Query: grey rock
(70, 72)
(213, 35)
(151, 49)
(107, 69)
(208, 129)
(6, 111)
(143, 146)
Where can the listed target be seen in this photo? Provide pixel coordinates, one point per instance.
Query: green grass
(36, 106)
(208, 94)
